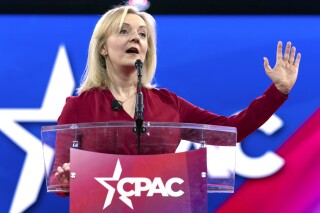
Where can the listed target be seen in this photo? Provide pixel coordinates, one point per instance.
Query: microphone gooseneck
(139, 109)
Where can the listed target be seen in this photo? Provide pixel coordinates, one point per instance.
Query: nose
(135, 37)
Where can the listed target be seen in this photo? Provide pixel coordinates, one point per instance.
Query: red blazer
(160, 105)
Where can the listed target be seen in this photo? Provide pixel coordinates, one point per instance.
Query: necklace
(122, 102)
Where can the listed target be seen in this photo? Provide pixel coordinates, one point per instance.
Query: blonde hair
(95, 74)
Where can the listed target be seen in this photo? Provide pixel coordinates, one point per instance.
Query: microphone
(139, 108)
(139, 65)
(116, 106)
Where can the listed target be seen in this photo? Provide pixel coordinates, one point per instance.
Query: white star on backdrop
(61, 85)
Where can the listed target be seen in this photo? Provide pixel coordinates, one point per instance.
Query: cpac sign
(154, 187)
(140, 184)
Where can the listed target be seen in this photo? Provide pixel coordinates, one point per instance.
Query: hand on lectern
(63, 173)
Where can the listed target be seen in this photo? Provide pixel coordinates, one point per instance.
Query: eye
(143, 34)
(123, 31)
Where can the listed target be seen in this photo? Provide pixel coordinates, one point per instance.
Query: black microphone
(116, 106)
(139, 109)
(139, 65)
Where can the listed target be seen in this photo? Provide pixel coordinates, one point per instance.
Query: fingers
(62, 174)
(66, 166)
(289, 54)
(279, 51)
(297, 61)
(292, 55)
(266, 64)
(60, 170)
(287, 51)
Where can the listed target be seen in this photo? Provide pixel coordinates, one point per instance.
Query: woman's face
(130, 44)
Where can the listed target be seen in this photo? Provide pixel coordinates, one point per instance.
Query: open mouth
(132, 50)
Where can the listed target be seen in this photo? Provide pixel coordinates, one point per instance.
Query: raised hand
(284, 74)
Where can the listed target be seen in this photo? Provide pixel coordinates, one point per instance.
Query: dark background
(301, 7)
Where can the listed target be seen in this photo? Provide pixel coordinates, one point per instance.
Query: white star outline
(61, 85)
(116, 176)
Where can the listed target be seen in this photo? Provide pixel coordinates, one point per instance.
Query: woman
(124, 35)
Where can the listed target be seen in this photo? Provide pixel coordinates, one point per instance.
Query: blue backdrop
(214, 62)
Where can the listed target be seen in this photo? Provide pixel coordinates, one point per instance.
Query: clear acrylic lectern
(167, 150)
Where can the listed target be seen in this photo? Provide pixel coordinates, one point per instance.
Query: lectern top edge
(146, 123)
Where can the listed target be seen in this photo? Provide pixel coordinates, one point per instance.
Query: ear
(103, 50)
